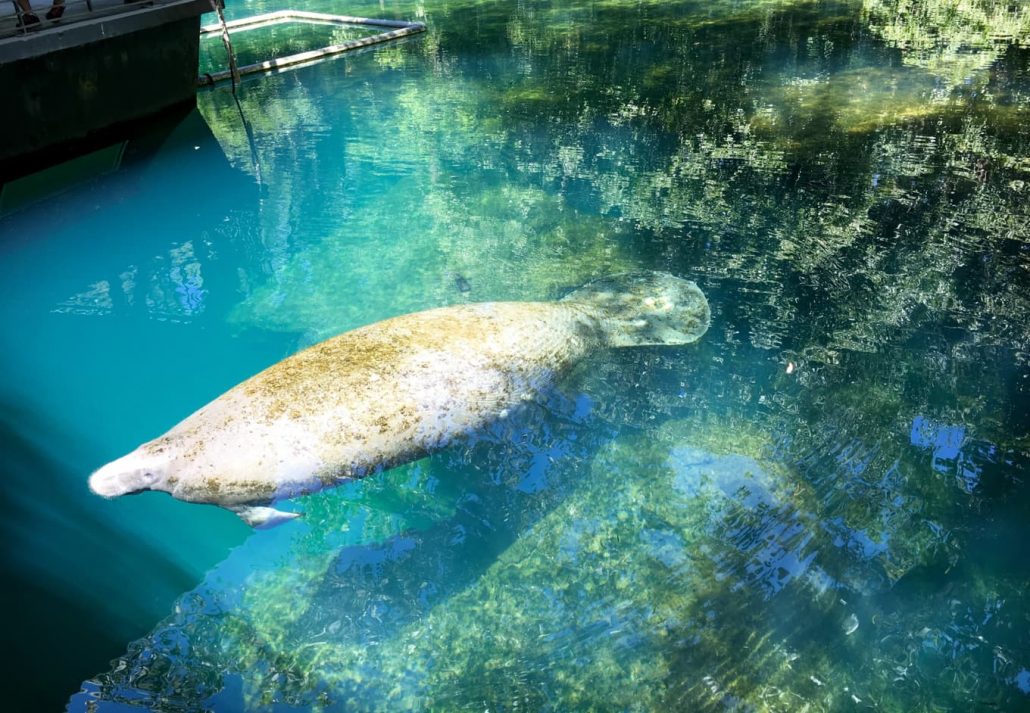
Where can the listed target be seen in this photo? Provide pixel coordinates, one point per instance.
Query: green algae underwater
(820, 506)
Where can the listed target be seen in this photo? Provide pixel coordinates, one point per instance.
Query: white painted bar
(403, 29)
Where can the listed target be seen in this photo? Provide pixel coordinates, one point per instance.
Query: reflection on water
(175, 290)
(820, 504)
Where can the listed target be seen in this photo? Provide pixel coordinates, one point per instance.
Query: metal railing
(27, 18)
(392, 30)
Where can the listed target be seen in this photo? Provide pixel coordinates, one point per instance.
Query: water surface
(823, 503)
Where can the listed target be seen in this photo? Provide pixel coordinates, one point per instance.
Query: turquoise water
(823, 503)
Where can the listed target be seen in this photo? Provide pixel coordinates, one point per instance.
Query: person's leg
(56, 10)
(26, 16)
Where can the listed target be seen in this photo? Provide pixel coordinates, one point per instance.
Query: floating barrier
(396, 30)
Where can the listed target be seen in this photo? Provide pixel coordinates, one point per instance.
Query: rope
(234, 71)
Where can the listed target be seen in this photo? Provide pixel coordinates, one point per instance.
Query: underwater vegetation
(952, 39)
(686, 568)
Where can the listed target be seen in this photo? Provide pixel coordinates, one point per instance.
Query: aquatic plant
(952, 39)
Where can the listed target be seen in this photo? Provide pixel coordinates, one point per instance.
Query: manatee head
(130, 474)
(147, 468)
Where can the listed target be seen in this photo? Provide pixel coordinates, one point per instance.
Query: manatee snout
(125, 476)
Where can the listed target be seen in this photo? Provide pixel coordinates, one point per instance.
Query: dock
(101, 67)
(80, 81)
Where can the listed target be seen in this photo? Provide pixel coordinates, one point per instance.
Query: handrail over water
(401, 29)
(14, 21)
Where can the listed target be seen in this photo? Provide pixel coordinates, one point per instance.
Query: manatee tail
(644, 308)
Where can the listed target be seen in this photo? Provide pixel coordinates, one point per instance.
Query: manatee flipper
(645, 308)
(262, 518)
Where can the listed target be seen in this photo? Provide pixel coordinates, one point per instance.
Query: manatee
(394, 391)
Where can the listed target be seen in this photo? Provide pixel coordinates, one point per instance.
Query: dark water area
(821, 505)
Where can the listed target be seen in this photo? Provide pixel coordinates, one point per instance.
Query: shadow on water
(64, 564)
(87, 576)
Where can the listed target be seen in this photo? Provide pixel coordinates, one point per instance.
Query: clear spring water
(822, 505)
